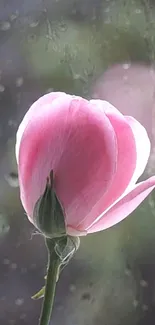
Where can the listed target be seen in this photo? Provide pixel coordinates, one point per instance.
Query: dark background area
(90, 48)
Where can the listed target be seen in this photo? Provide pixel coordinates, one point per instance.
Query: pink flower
(97, 156)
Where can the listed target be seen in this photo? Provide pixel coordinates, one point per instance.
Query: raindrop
(85, 90)
(32, 37)
(4, 226)
(3, 298)
(145, 307)
(49, 90)
(144, 283)
(5, 25)
(107, 9)
(33, 266)
(125, 77)
(19, 301)
(12, 179)
(127, 23)
(23, 270)
(13, 16)
(86, 296)
(72, 288)
(12, 123)
(34, 24)
(22, 316)
(127, 272)
(2, 88)
(63, 27)
(126, 66)
(12, 322)
(135, 303)
(13, 266)
(6, 261)
(138, 11)
(107, 20)
(19, 81)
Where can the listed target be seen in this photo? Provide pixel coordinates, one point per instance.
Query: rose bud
(95, 153)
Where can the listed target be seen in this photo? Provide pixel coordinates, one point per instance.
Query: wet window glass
(98, 50)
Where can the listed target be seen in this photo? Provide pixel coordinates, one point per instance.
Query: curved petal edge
(125, 206)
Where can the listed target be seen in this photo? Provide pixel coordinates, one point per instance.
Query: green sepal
(39, 294)
(48, 213)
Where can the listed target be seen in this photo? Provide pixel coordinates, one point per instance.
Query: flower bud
(48, 214)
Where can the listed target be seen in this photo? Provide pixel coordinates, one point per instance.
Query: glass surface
(88, 48)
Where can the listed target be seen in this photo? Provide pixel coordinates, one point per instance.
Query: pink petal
(79, 144)
(126, 161)
(44, 100)
(143, 147)
(124, 206)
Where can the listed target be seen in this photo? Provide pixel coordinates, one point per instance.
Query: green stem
(52, 276)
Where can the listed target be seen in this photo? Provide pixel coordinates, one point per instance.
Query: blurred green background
(71, 45)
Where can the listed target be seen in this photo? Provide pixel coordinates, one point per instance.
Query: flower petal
(124, 206)
(143, 147)
(44, 100)
(126, 161)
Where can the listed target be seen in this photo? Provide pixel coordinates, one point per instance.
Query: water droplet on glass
(2, 88)
(4, 225)
(107, 9)
(3, 298)
(23, 270)
(12, 123)
(19, 301)
(34, 24)
(13, 17)
(72, 288)
(107, 21)
(6, 261)
(33, 266)
(5, 25)
(19, 81)
(143, 283)
(22, 316)
(32, 37)
(86, 296)
(135, 303)
(126, 66)
(12, 179)
(138, 11)
(13, 266)
(127, 272)
(62, 27)
(12, 322)
(49, 90)
(145, 307)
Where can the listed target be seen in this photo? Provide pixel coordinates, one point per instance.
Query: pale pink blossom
(96, 154)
